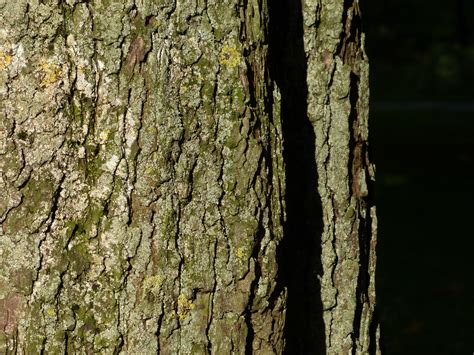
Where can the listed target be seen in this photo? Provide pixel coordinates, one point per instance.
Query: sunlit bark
(143, 177)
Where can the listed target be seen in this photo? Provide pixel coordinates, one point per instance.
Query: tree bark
(338, 102)
(146, 149)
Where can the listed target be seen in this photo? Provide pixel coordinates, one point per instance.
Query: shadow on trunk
(299, 256)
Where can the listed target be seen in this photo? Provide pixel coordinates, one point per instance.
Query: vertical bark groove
(299, 253)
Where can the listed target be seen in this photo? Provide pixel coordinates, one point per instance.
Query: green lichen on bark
(143, 178)
(141, 164)
(337, 78)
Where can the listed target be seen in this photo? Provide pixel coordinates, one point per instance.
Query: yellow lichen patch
(152, 284)
(184, 89)
(5, 60)
(50, 73)
(229, 57)
(50, 312)
(240, 253)
(103, 136)
(184, 307)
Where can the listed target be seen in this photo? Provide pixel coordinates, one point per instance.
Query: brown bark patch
(10, 309)
(356, 168)
(136, 54)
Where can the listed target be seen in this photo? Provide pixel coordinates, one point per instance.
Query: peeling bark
(143, 178)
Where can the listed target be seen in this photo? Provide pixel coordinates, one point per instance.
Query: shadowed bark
(300, 250)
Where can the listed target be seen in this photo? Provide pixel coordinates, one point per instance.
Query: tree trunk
(145, 151)
(338, 103)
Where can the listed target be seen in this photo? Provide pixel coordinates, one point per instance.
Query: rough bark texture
(143, 181)
(318, 61)
(337, 72)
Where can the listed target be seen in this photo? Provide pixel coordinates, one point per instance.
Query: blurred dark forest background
(422, 125)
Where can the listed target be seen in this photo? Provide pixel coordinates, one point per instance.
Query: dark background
(422, 124)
